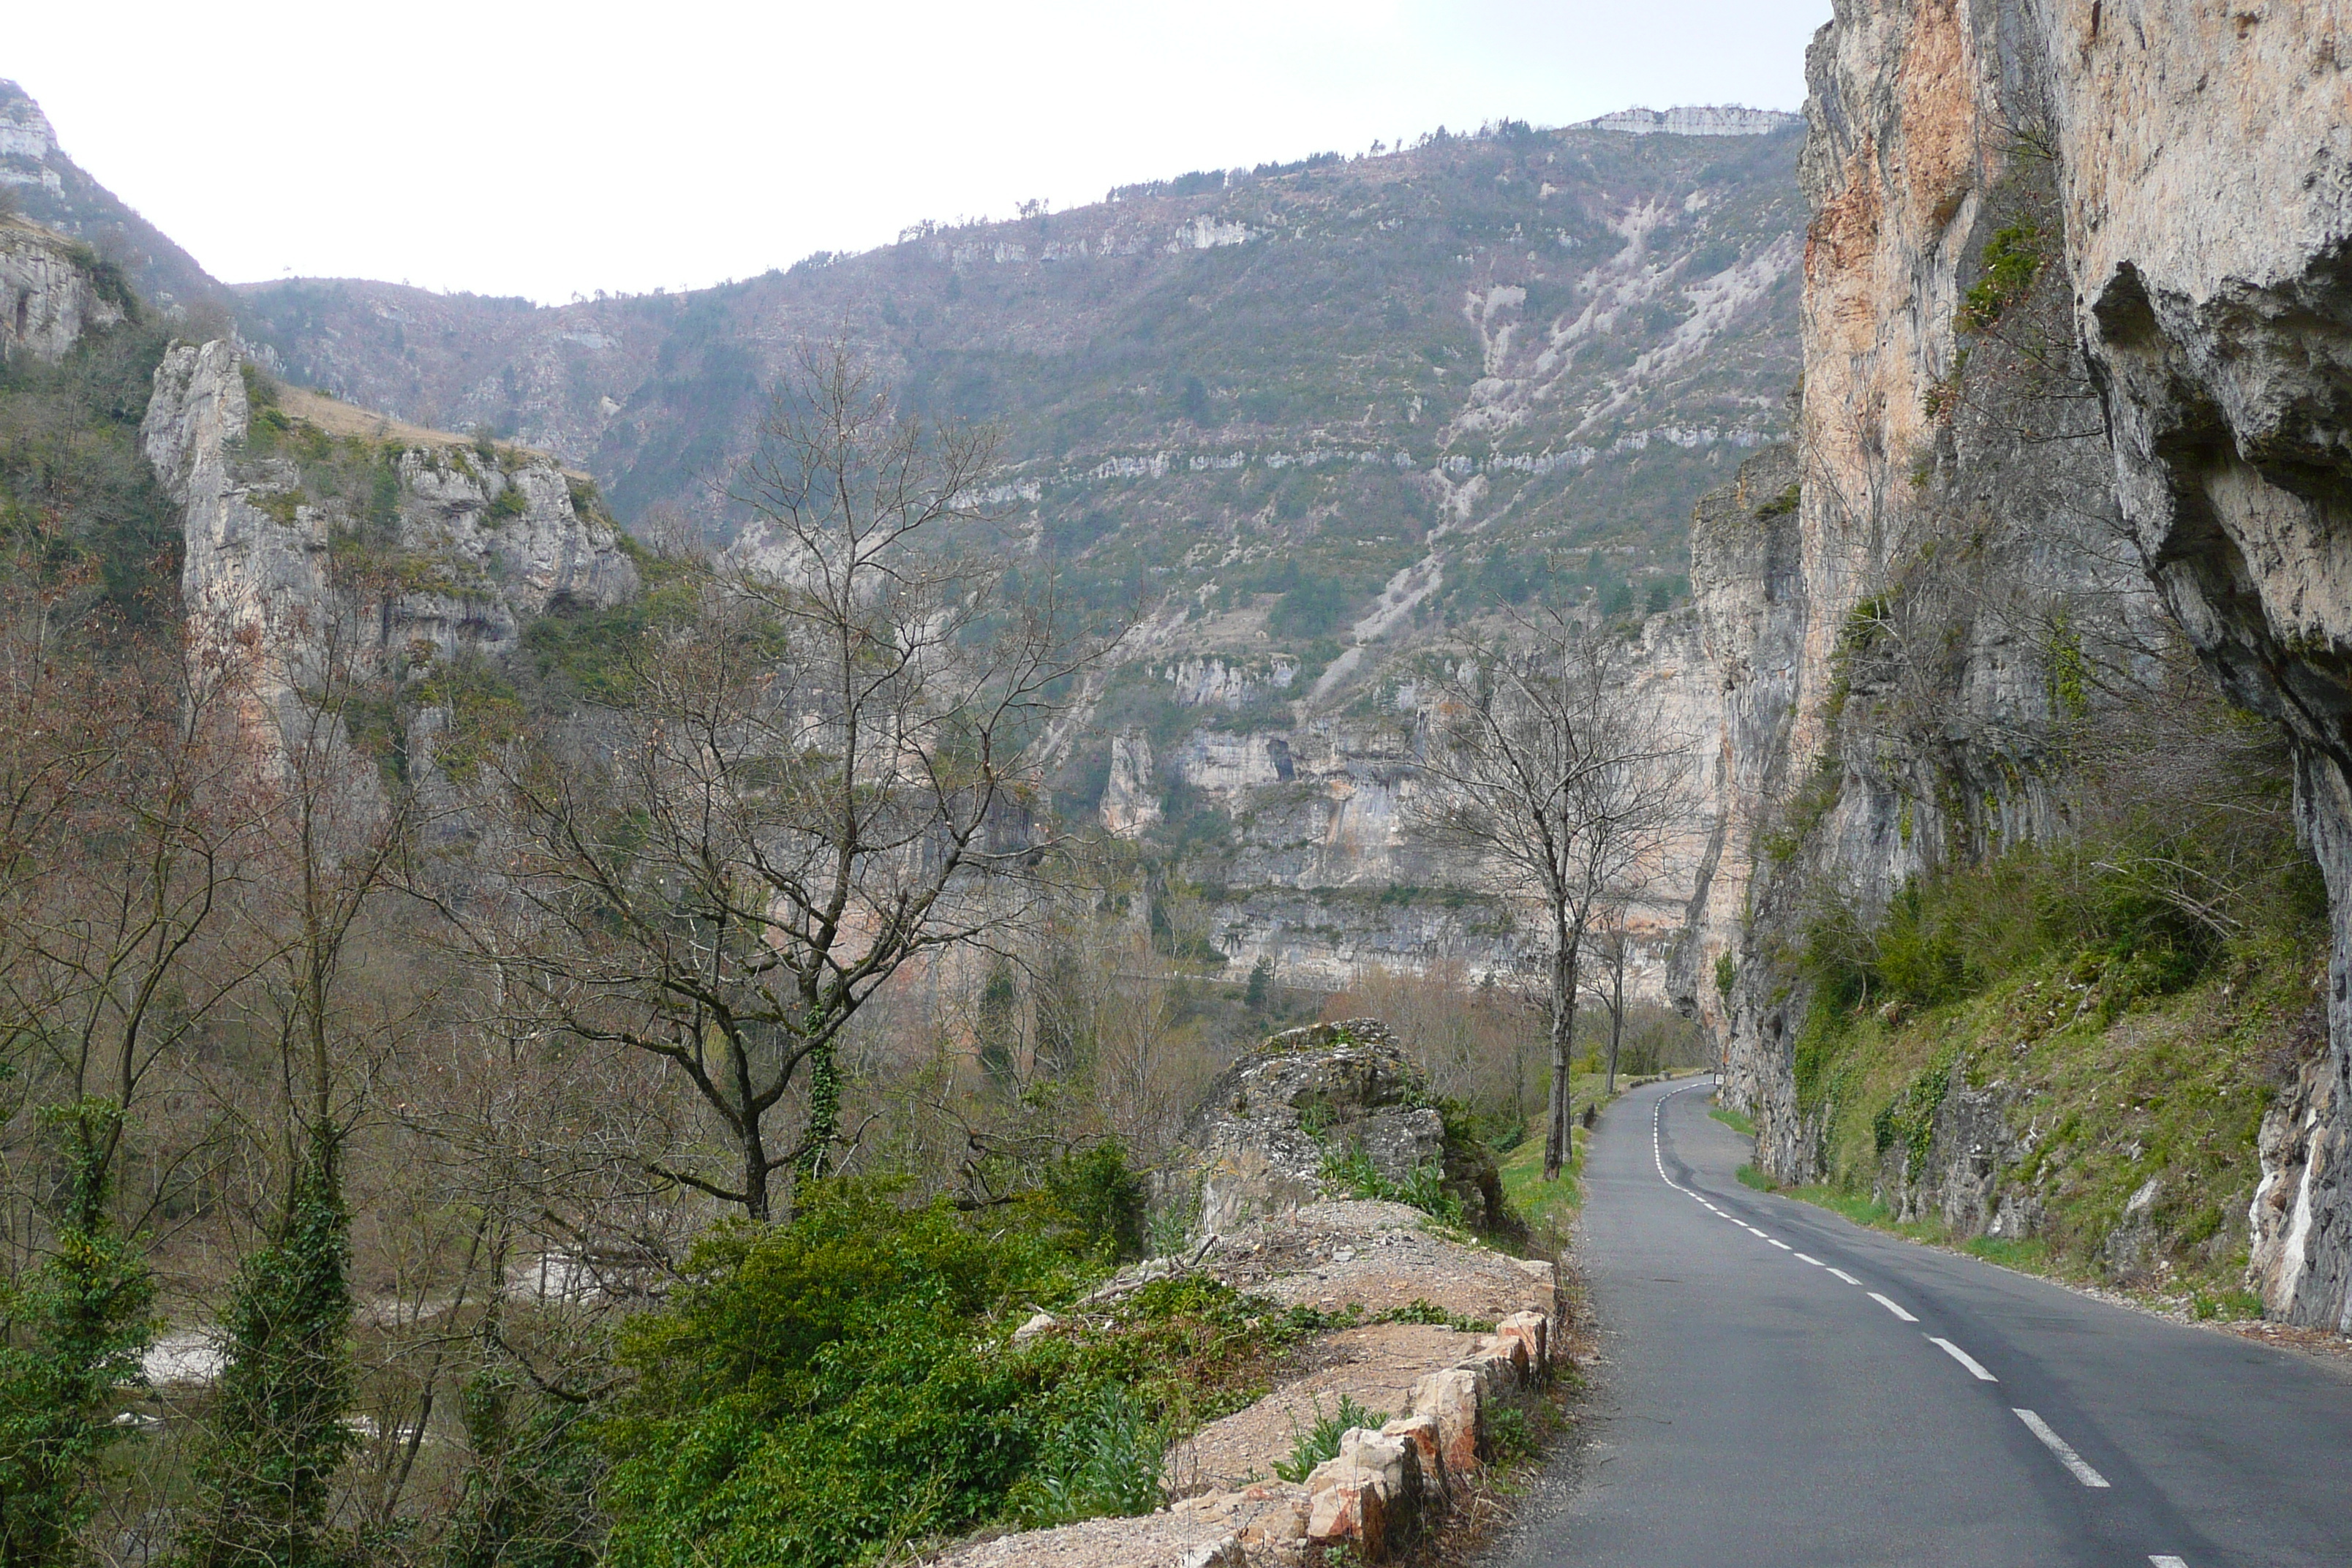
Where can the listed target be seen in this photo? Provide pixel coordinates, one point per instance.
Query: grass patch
(1732, 1120)
(2130, 1036)
(823, 1389)
(2027, 1255)
(1551, 1207)
(1321, 1441)
(1863, 1210)
(1749, 1176)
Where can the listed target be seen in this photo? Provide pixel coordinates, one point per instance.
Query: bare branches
(1550, 768)
(819, 770)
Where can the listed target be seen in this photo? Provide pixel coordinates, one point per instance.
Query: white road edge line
(1891, 1307)
(1657, 1139)
(2170, 1561)
(1781, 1245)
(1815, 1261)
(1964, 1358)
(2057, 1445)
(1842, 1275)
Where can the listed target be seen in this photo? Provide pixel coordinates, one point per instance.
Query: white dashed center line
(2170, 1561)
(2057, 1445)
(2075, 1462)
(1964, 1358)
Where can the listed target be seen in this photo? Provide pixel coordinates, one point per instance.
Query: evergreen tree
(275, 1432)
(1261, 980)
(77, 1327)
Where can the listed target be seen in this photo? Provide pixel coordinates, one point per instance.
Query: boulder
(1259, 1142)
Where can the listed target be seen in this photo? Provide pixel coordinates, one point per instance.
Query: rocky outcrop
(1442, 1333)
(450, 553)
(1303, 831)
(2183, 176)
(1130, 802)
(1750, 596)
(1306, 1117)
(52, 291)
(2302, 1149)
(2207, 177)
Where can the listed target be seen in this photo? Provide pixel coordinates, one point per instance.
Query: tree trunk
(1557, 1135)
(755, 1171)
(1616, 1019)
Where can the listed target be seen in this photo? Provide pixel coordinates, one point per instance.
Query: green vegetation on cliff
(2071, 1045)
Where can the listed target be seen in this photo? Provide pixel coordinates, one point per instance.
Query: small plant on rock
(1321, 1441)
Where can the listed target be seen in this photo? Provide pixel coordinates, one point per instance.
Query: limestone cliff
(305, 521)
(52, 291)
(2169, 395)
(1299, 824)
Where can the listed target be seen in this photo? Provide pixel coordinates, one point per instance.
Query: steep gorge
(2074, 340)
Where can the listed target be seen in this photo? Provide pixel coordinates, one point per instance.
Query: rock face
(1270, 1122)
(2208, 183)
(49, 296)
(1272, 1126)
(465, 549)
(2189, 170)
(1306, 829)
(1129, 803)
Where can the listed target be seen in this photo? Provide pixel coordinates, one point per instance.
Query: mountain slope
(52, 189)
(1315, 417)
(1566, 328)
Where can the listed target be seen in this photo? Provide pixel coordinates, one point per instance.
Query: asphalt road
(1778, 1386)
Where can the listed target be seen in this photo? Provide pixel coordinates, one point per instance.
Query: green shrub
(2012, 261)
(1103, 1199)
(1422, 1188)
(76, 1325)
(506, 505)
(829, 1388)
(1104, 1460)
(1512, 1433)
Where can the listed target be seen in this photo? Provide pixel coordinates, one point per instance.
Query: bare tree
(1552, 765)
(817, 770)
(1612, 946)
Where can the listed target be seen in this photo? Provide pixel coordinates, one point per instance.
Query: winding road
(1778, 1386)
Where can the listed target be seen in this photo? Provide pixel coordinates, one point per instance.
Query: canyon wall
(315, 535)
(1985, 450)
(1297, 827)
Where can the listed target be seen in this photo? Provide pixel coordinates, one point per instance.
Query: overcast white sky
(526, 148)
